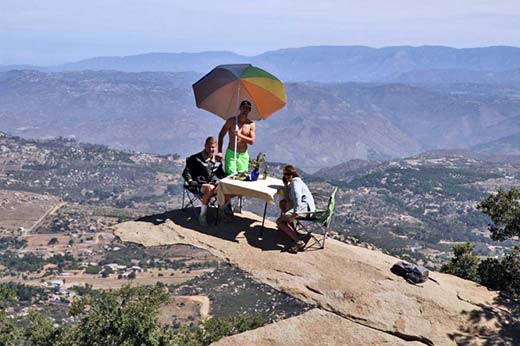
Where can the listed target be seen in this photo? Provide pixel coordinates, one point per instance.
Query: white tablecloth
(261, 189)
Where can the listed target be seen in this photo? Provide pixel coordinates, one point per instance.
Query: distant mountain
(356, 168)
(175, 62)
(456, 76)
(320, 63)
(140, 111)
(321, 126)
(359, 63)
(350, 168)
(6, 68)
(509, 145)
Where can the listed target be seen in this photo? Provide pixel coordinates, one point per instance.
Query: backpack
(412, 273)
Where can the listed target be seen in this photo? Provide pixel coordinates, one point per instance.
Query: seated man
(302, 201)
(203, 172)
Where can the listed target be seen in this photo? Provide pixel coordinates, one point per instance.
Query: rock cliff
(357, 300)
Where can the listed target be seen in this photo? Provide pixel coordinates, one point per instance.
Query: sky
(56, 31)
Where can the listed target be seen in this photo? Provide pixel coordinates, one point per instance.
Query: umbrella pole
(236, 127)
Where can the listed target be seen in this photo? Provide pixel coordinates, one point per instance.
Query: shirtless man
(246, 136)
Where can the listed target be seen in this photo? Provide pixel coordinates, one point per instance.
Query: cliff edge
(357, 300)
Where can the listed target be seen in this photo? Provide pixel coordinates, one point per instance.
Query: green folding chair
(318, 221)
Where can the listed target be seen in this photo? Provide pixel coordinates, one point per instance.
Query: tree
(464, 264)
(127, 317)
(92, 269)
(502, 274)
(211, 330)
(10, 335)
(504, 210)
(41, 331)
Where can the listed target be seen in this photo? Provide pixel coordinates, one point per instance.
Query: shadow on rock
(503, 316)
(271, 240)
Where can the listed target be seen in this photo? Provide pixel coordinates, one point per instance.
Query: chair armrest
(195, 189)
(312, 215)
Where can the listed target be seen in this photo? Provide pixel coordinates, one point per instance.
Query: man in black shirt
(203, 173)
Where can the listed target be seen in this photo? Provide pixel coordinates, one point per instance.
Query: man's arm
(250, 140)
(186, 174)
(219, 172)
(221, 135)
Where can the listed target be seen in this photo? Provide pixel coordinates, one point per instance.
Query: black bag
(412, 273)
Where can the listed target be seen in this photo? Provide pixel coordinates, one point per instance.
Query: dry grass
(185, 309)
(22, 209)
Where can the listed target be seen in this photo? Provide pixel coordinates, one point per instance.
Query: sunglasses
(287, 174)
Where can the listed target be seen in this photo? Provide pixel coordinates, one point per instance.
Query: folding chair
(194, 198)
(319, 220)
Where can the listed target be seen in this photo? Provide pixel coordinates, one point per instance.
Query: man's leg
(242, 165)
(284, 205)
(230, 164)
(207, 193)
(283, 223)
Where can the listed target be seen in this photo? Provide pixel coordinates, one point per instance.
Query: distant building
(112, 266)
(55, 284)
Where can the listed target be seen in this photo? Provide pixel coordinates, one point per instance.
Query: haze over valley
(413, 109)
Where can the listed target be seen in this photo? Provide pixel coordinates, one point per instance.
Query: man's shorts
(241, 164)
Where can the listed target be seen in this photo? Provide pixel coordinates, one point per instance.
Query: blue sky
(56, 31)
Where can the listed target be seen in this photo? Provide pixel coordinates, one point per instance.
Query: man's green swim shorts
(242, 163)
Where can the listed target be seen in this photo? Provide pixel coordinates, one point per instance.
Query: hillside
(87, 173)
(419, 206)
(318, 63)
(60, 199)
(155, 112)
(356, 299)
(58, 202)
(458, 76)
(509, 145)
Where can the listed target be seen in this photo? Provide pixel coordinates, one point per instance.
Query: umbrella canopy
(221, 91)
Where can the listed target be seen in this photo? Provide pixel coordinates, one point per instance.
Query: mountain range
(324, 63)
(323, 124)
(458, 76)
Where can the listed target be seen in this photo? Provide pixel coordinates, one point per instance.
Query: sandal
(297, 246)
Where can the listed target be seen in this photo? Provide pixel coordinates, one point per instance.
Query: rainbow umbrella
(221, 91)
(223, 88)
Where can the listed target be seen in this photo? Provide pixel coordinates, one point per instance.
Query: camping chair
(318, 220)
(193, 197)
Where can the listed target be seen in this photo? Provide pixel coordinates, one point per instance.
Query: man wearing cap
(244, 130)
